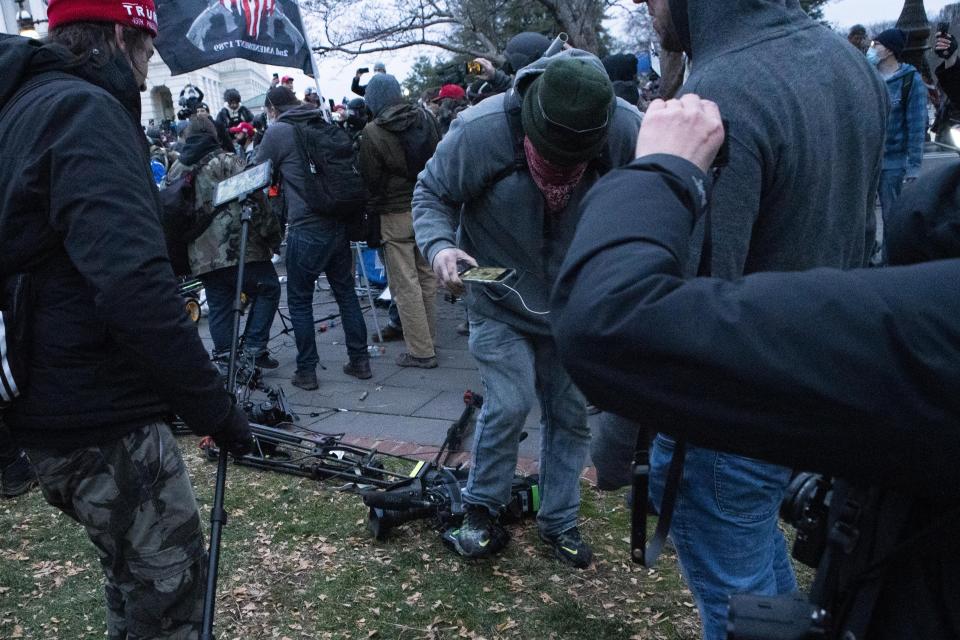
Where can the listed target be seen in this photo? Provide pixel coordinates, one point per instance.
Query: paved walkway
(400, 410)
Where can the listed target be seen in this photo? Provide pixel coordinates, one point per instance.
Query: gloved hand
(946, 45)
(234, 433)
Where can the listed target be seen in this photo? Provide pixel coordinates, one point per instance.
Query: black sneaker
(569, 547)
(478, 536)
(264, 361)
(18, 477)
(358, 369)
(306, 380)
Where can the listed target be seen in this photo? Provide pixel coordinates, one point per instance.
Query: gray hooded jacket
(806, 117)
(503, 223)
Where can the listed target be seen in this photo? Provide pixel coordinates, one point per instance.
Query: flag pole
(324, 105)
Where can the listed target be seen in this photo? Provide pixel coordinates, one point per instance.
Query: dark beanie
(523, 49)
(621, 66)
(281, 98)
(567, 111)
(382, 91)
(893, 39)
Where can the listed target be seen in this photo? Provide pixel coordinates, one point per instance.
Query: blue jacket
(906, 124)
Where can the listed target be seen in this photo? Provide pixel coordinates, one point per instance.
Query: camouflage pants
(134, 498)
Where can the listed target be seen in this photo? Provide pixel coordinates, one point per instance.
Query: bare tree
(476, 28)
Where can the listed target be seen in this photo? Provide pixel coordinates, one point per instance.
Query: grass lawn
(298, 563)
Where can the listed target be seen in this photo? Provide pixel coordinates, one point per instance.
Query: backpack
(419, 143)
(334, 187)
(182, 222)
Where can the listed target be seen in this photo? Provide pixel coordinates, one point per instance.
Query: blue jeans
(322, 248)
(724, 528)
(260, 283)
(891, 184)
(517, 369)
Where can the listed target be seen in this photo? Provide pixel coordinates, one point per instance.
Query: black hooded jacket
(111, 348)
(848, 373)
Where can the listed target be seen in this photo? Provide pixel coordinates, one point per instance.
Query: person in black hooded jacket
(805, 147)
(110, 351)
(846, 373)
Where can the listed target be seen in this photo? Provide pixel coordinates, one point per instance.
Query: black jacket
(225, 120)
(950, 81)
(847, 373)
(111, 346)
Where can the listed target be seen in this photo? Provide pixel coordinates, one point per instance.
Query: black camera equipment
(436, 494)
(435, 490)
(285, 448)
(363, 70)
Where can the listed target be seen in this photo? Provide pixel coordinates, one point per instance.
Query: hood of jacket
(197, 147)
(904, 70)
(398, 117)
(536, 68)
(305, 113)
(708, 28)
(22, 59)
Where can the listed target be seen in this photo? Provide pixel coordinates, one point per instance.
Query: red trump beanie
(139, 14)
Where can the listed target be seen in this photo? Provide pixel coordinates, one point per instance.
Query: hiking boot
(18, 477)
(358, 369)
(264, 361)
(569, 547)
(478, 536)
(390, 333)
(306, 380)
(407, 360)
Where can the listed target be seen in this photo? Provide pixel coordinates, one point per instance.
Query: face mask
(873, 57)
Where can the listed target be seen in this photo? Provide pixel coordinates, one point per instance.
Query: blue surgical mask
(873, 57)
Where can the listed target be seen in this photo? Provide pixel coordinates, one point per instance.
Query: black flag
(198, 33)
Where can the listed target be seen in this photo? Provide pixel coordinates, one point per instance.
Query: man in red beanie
(110, 351)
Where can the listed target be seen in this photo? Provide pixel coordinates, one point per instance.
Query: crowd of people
(713, 308)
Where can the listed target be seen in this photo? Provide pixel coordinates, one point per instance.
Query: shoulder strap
(515, 124)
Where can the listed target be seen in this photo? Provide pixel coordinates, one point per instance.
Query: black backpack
(419, 142)
(334, 187)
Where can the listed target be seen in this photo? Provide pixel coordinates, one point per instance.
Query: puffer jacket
(110, 346)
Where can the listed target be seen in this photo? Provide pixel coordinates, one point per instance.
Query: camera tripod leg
(218, 517)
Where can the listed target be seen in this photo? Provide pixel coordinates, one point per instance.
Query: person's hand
(489, 71)
(946, 45)
(446, 268)
(690, 128)
(234, 435)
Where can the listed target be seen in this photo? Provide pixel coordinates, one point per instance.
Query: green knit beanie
(567, 111)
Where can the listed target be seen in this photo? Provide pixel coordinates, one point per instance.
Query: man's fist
(689, 127)
(446, 268)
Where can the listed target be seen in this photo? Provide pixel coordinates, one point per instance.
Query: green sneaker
(569, 547)
(478, 536)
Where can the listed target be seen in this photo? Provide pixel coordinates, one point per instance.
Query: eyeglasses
(606, 120)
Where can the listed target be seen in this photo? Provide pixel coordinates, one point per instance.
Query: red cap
(452, 91)
(287, 79)
(243, 127)
(140, 14)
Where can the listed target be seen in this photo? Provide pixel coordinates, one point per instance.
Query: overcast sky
(846, 13)
(335, 74)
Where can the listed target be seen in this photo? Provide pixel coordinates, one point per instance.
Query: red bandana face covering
(556, 182)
